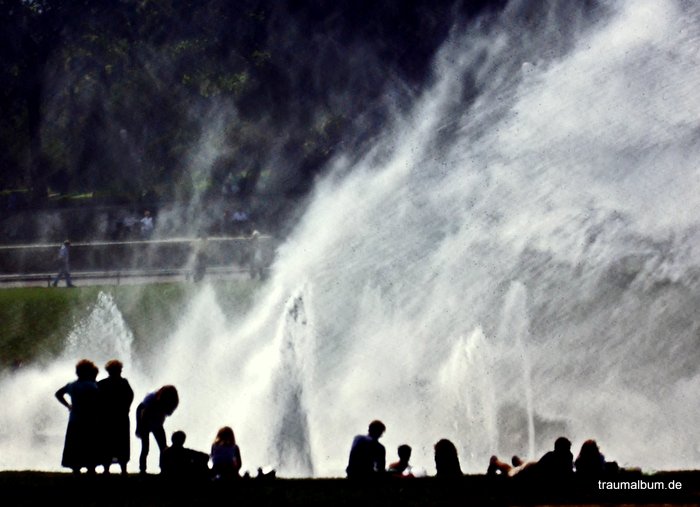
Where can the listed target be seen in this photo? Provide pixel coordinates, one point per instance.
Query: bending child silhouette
(150, 417)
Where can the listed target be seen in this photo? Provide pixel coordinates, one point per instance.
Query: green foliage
(35, 321)
(113, 97)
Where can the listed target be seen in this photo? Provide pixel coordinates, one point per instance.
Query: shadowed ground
(39, 488)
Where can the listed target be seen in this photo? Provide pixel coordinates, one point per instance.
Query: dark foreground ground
(40, 488)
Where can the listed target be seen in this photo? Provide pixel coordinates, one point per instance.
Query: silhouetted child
(116, 397)
(498, 467)
(81, 447)
(179, 462)
(150, 417)
(367, 456)
(401, 468)
(446, 460)
(225, 455)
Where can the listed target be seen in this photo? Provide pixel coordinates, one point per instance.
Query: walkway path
(126, 277)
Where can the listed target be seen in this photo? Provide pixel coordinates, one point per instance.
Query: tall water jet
(32, 429)
(547, 177)
(515, 364)
(550, 165)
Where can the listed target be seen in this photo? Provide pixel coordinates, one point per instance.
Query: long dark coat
(116, 397)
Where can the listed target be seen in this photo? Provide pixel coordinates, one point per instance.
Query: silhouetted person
(402, 466)
(116, 397)
(257, 265)
(557, 464)
(81, 444)
(179, 462)
(146, 225)
(367, 455)
(498, 467)
(200, 260)
(446, 460)
(64, 265)
(591, 464)
(150, 417)
(226, 459)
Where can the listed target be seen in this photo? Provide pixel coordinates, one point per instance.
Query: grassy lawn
(35, 321)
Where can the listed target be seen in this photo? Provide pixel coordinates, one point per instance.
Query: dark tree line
(185, 97)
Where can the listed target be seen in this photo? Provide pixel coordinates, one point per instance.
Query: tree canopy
(183, 97)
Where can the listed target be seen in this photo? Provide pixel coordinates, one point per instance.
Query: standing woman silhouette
(80, 449)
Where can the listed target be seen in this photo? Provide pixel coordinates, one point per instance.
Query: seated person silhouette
(226, 455)
(557, 463)
(591, 464)
(401, 468)
(367, 456)
(179, 462)
(498, 467)
(446, 460)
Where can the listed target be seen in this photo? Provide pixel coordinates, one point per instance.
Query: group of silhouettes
(368, 460)
(98, 432)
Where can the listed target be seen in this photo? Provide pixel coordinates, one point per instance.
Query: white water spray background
(532, 245)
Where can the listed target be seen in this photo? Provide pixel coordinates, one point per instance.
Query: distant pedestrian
(256, 265)
(64, 265)
(116, 397)
(80, 449)
(150, 417)
(200, 260)
(367, 455)
(147, 225)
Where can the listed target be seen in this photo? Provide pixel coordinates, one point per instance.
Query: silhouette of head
(168, 398)
(178, 438)
(114, 367)
(86, 370)
(446, 459)
(404, 453)
(589, 449)
(66, 242)
(562, 444)
(225, 436)
(376, 429)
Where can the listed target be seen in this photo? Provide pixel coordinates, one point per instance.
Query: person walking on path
(64, 265)
(146, 225)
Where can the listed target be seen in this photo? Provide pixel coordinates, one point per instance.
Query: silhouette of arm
(237, 461)
(61, 397)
